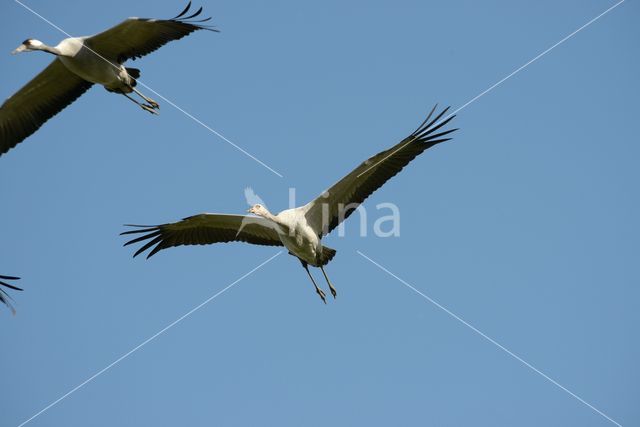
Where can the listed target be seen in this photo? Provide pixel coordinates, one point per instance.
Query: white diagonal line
(540, 55)
(488, 338)
(191, 116)
(504, 79)
(195, 119)
(145, 342)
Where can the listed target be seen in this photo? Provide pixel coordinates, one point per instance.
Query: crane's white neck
(268, 215)
(50, 49)
(263, 212)
(31, 45)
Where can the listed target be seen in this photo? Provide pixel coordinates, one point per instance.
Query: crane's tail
(327, 255)
(135, 73)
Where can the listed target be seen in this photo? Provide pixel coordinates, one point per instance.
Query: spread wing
(347, 194)
(205, 229)
(39, 100)
(4, 297)
(135, 37)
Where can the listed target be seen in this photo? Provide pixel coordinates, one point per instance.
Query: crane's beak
(249, 210)
(21, 48)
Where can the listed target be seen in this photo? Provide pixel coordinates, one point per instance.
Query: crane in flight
(300, 229)
(82, 62)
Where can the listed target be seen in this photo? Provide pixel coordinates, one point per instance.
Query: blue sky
(525, 225)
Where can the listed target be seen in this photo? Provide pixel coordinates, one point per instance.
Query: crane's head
(29, 45)
(259, 210)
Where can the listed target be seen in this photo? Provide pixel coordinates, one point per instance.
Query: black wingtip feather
(438, 141)
(147, 246)
(142, 238)
(435, 120)
(5, 298)
(186, 9)
(188, 20)
(155, 250)
(7, 284)
(438, 135)
(193, 15)
(429, 131)
(153, 232)
(145, 230)
(15, 288)
(425, 120)
(426, 125)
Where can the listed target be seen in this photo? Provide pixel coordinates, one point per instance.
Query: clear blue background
(526, 225)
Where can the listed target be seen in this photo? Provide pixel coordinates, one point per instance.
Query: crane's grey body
(300, 229)
(81, 60)
(298, 236)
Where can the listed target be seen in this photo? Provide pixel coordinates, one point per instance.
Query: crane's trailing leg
(318, 290)
(331, 288)
(151, 102)
(145, 107)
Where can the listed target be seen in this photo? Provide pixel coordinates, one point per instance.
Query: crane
(82, 62)
(299, 229)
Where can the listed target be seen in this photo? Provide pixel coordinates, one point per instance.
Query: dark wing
(135, 37)
(39, 100)
(4, 297)
(347, 194)
(205, 229)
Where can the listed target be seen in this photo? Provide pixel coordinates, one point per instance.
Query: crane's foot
(149, 108)
(153, 103)
(322, 294)
(333, 291)
(331, 288)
